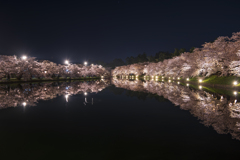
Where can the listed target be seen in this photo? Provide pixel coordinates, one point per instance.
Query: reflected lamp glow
(66, 96)
(187, 84)
(235, 93)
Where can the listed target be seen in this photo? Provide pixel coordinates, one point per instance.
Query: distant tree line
(158, 57)
(220, 57)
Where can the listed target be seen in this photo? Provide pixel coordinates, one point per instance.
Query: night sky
(108, 29)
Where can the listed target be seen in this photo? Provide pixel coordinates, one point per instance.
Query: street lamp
(24, 57)
(85, 63)
(24, 104)
(235, 83)
(66, 62)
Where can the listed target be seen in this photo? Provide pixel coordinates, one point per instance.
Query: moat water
(118, 119)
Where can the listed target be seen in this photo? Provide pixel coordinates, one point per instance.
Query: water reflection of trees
(212, 110)
(30, 94)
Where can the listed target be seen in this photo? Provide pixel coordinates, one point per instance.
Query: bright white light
(187, 84)
(85, 93)
(200, 87)
(178, 82)
(200, 80)
(187, 79)
(66, 96)
(24, 104)
(85, 63)
(235, 83)
(66, 62)
(45, 71)
(178, 78)
(24, 57)
(235, 93)
(169, 80)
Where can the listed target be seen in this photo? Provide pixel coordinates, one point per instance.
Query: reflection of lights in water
(235, 93)
(235, 83)
(66, 96)
(24, 104)
(200, 87)
(235, 101)
(85, 93)
(187, 84)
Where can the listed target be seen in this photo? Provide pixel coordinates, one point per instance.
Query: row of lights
(66, 61)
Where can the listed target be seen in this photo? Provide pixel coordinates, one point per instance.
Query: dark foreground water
(133, 121)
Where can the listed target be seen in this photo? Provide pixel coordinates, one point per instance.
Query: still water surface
(117, 119)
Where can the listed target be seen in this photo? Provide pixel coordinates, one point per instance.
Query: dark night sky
(108, 29)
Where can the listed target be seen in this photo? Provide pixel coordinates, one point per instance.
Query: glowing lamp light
(45, 71)
(66, 62)
(178, 78)
(187, 79)
(85, 93)
(169, 80)
(200, 80)
(178, 82)
(85, 63)
(24, 57)
(187, 84)
(24, 104)
(235, 83)
(200, 87)
(235, 93)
